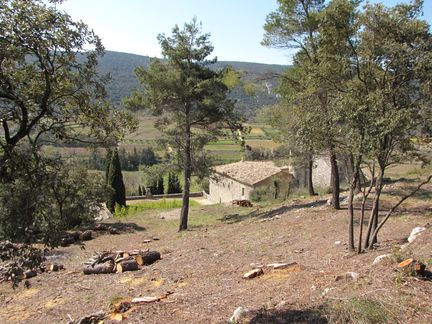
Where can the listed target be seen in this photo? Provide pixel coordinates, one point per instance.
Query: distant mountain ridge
(121, 66)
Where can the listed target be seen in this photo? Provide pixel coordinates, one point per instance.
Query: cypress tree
(115, 180)
(160, 186)
(173, 184)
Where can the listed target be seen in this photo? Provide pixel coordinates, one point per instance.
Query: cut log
(420, 268)
(139, 259)
(113, 231)
(65, 241)
(253, 273)
(134, 252)
(144, 300)
(30, 274)
(54, 267)
(128, 265)
(405, 263)
(86, 235)
(75, 235)
(150, 256)
(281, 265)
(99, 268)
(100, 227)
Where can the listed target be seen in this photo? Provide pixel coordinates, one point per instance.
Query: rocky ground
(199, 278)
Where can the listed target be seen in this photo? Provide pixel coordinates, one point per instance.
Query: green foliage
(129, 161)
(360, 86)
(49, 81)
(173, 183)
(123, 81)
(190, 100)
(262, 194)
(46, 198)
(115, 181)
(50, 90)
(163, 204)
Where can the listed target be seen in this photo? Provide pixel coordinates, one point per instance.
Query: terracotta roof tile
(248, 172)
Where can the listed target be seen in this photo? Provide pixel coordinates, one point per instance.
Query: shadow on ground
(124, 227)
(289, 316)
(257, 213)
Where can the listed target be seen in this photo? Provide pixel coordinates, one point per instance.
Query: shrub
(263, 194)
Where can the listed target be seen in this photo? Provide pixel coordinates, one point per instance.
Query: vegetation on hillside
(123, 81)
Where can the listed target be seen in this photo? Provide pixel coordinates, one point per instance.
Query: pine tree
(115, 180)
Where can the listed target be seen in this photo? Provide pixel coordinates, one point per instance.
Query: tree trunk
(373, 219)
(309, 171)
(334, 181)
(355, 179)
(187, 175)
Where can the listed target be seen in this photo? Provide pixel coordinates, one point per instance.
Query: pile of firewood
(73, 237)
(242, 203)
(119, 261)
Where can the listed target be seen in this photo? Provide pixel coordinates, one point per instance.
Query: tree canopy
(190, 100)
(49, 91)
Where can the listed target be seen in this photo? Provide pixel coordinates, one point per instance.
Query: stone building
(236, 181)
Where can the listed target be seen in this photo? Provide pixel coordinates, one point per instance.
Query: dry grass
(203, 268)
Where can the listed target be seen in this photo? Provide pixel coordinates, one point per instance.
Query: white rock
(415, 233)
(337, 242)
(237, 315)
(352, 275)
(380, 258)
(326, 291)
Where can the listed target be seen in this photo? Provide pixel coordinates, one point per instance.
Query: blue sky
(235, 25)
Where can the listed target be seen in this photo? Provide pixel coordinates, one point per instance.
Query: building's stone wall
(321, 173)
(223, 189)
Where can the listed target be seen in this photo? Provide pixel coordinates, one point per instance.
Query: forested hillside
(121, 67)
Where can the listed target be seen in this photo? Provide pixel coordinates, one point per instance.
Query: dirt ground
(201, 270)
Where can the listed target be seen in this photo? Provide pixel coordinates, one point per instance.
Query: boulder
(237, 315)
(381, 258)
(415, 233)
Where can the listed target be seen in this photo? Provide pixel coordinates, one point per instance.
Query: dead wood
(150, 257)
(127, 265)
(99, 268)
(86, 235)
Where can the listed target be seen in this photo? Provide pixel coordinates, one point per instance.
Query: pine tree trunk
(309, 176)
(186, 189)
(334, 181)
